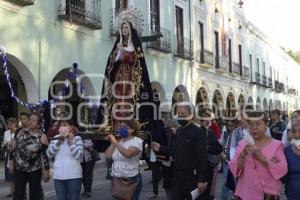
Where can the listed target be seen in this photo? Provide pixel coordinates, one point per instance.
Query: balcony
(270, 82)
(223, 64)
(163, 43)
(235, 69)
(279, 87)
(205, 58)
(246, 72)
(256, 79)
(264, 81)
(82, 12)
(22, 2)
(184, 48)
(292, 91)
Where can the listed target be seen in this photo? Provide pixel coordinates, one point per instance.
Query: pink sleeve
(233, 164)
(278, 164)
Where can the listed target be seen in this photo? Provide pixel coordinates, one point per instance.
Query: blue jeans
(68, 189)
(225, 191)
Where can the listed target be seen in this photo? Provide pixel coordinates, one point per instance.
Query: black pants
(34, 179)
(183, 183)
(156, 175)
(87, 175)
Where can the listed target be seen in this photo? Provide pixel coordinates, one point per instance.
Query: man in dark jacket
(190, 155)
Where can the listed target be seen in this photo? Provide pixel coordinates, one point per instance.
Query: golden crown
(131, 14)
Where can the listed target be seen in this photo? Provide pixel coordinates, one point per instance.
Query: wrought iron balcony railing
(270, 82)
(162, 41)
(223, 63)
(22, 2)
(279, 87)
(246, 72)
(235, 68)
(292, 91)
(83, 12)
(205, 58)
(257, 78)
(264, 81)
(184, 48)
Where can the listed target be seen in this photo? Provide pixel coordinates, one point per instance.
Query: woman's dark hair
(38, 116)
(12, 120)
(134, 125)
(257, 115)
(70, 122)
(24, 114)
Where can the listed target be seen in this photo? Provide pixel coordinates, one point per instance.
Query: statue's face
(125, 29)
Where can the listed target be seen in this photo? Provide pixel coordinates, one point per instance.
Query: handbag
(123, 188)
(214, 160)
(95, 155)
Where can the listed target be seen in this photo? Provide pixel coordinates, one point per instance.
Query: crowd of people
(255, 153)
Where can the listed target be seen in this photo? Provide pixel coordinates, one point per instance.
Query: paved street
(101, 186)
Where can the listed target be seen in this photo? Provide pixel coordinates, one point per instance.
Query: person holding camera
(67, 150)
(126, 154)
(30, 159)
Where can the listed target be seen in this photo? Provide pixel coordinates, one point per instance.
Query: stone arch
(82, 93)
(30, 83)
(265, 104)
(241, 100)
(278, 104)
(258, 105)
(231, 106)
(271, 106)
(180, 94)
(218, 103)
(202, 99)
(22, 83)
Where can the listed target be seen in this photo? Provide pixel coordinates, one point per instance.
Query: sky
(278, 19)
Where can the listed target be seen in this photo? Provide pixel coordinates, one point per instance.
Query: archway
(241, 100)
(76, 93)
(258, 105)
(218, 104)
(180, 94)
(23, 84)
(271, 106)
(202, 100)
(283, 106)
(159, 96)
(278, 104)
(231, 107)
(250, 101)
(265, 104)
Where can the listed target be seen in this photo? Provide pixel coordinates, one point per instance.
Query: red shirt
(215, 129)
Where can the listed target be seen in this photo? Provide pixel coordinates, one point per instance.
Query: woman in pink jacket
(259, 162)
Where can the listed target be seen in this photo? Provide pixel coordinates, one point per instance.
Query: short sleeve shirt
(127, 167)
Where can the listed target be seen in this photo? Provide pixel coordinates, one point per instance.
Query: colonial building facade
(204, 51)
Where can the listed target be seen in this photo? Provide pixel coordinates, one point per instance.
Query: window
(264, 68)
(179, 30)
(201, 42)
(83, 12)
(217, 49)
(121, 4)
(241, 59)
(230, 55)
(154, 16)
(271, 72)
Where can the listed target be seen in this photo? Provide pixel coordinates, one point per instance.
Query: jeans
(225, 191)
(67, 189)
(87, 175)
(34, 179)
